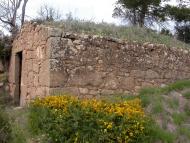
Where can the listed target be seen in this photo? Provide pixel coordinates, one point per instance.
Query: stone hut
(48, 61)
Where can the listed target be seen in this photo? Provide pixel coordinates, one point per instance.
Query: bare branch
(23, 11)
(48, 13)
(9, 13)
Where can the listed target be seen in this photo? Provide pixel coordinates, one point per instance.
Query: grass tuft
(179, 85)
(179, 118)
(187, 95)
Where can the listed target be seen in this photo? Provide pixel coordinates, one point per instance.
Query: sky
(96, 10)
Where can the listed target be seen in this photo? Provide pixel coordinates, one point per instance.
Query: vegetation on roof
(140, 35)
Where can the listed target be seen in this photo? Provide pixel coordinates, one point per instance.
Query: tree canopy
(140, 12)
(181, 15)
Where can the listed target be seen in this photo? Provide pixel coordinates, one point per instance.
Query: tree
(48, 13)
(5, 49)
(10, 16)
(183, 33)
(140, 12)
(181, 15)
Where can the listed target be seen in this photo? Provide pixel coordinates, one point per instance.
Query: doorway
(18, 73)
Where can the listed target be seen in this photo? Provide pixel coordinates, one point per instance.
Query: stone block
(83, 90)
(1, 67)
(150, 74)
(128, 83)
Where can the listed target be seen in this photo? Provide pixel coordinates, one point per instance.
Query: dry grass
(141, 35)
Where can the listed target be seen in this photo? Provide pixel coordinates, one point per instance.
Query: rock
(107, 92)
(6, 88)
(128, 83)
(54, 32)
(138, 73)
(1, 84)
(83, 90)
(1, 67)
(150, 74)
(77, 42)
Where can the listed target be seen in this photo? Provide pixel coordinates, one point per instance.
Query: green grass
(160, 134)
(173, 103)
(140, 35)
(18, 135)
(19, 125)
(185, 131)
(187, 95)
(117, 98)
(158, 107)
(179, 85)
(179, 118)
(5, 127)
(187, 109)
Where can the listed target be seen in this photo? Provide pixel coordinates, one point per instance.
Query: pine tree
(140, 12)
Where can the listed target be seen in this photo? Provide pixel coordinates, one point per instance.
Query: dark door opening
(18, 73)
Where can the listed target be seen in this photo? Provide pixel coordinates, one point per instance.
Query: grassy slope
(169, 107)
(141, 35)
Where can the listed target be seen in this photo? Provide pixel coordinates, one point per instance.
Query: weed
(185, 131)
(173, 103)
(179, 118)
(160, 134)
(157, 107)
(5, 128)
(187, 95)
(187, 109)
(18, 135)
(179, 85)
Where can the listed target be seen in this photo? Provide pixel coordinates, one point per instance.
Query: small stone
(7, 88)
(94, 92)
(77, 42)
(145, 44)
(100, 61)
(150, 45)
(54, 32)
(83, 90)
(1, 67)
(150, 74)
(90, 68)
(107, 92)
(1, 84)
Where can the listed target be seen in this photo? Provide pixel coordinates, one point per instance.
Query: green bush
(5, 128)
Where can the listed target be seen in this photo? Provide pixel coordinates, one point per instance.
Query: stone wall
(54, 62)
(32, 42)
(94, 65)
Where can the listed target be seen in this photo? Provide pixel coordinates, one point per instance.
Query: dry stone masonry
(54, 62)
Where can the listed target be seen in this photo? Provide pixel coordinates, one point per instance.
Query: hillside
(131, 34)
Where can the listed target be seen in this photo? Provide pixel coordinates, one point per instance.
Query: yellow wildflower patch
(121, 122)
